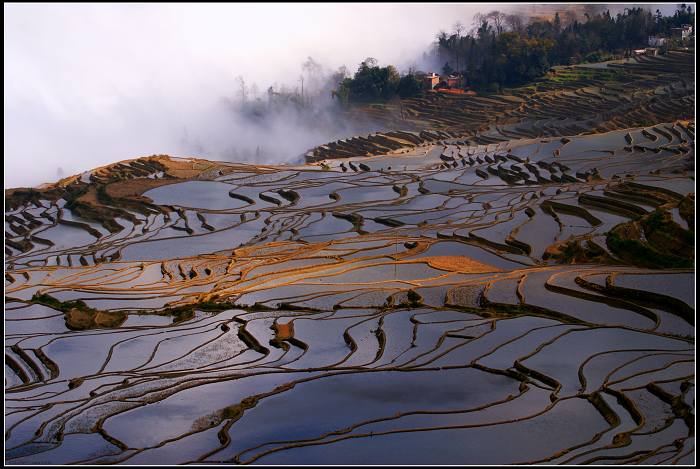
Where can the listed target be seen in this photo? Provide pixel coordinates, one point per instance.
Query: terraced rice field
(571, 101)
(529, 281)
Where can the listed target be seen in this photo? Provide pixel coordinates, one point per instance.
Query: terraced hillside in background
(570, 101)
(519, 270)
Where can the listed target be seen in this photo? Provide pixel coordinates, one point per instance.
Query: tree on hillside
(503, 50)
(370, 82)
(312, 72)
(447, 69)
(498, 20)
(242, 90)
(515, 23)
(409, 85)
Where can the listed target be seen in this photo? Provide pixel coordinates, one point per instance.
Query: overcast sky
(87, 85)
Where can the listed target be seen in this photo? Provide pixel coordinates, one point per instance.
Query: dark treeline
(504, 50)
(373, 83)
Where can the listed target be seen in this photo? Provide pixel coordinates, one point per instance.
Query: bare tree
(370, 62)
(497, 18)
(342, 72)
(515, 23)
(592, 9)
(243, 90)
(311, 67)
(458, 28)
(442, 40)
(441, 36)
(301, 79)
(314, 77)
(569, 17)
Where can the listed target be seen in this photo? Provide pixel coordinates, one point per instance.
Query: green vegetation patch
(641, 254)
(79, 316)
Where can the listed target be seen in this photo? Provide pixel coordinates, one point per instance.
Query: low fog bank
(280, 123)
(47, 137)
(88, 85)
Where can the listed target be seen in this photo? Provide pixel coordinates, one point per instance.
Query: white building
(431, 80)
(657, 41)
(683, 32)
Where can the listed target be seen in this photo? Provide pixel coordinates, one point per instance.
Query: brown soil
(283, 331)
(576, 251)
(191, 167)
(90, 197)
(79, 320)
(136, 187)
(461, 264)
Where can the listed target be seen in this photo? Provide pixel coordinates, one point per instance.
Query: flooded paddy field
(530, 282)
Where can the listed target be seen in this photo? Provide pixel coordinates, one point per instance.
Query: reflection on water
(307, 316)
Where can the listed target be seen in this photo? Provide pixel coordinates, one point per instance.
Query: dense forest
(503, 50)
